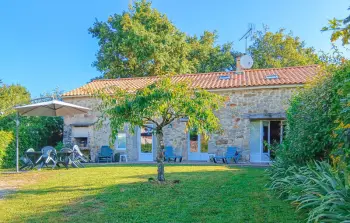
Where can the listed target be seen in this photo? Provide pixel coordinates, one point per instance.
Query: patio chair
(231, 153)
(63, 157)
(169, 154)
(48, 154)
(27, 161)
(78, 157)
(105, 154)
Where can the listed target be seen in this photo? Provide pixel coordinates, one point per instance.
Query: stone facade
(233, 117)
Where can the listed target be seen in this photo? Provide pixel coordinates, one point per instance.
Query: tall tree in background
(273, 50)
(11, 95)
(205, 56)
(143, 42)
(340, 28)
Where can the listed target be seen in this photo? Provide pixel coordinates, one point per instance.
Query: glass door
(146, 143)
(255, 141)
(265, 155)
(197, 146)
(263, 134)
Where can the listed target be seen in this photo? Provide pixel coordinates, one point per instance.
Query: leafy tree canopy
(340, 28)
(274, 50)
(11, 95)
(160, 104)
(143, 42)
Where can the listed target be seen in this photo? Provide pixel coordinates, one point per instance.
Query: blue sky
(45, 44)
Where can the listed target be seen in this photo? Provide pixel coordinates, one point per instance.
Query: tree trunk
(160, 155)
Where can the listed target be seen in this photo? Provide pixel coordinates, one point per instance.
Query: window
(273, 133)
(146, 139)
(266, 136)
(271, 76)
(121, 141)
(283, 130)
(224, 77)
(198, 143)
(204, 144)
(193, 141)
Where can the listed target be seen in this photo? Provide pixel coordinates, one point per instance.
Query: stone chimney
(238, 64)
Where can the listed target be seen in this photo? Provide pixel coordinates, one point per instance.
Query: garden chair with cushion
(48, 155)
(105, 154)
(169, 154)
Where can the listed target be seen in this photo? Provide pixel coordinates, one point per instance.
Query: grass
(124, 193)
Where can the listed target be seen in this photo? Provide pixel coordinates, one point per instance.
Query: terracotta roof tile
(250, 78)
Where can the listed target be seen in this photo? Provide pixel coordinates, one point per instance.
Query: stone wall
(239, 103)
(242, 102)
(235, 126)
(97, 135)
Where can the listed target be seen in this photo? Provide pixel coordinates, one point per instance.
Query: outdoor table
(64, 157)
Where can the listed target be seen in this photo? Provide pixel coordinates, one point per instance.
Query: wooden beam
(257, 116)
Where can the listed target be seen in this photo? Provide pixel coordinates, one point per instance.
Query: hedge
(5, 140)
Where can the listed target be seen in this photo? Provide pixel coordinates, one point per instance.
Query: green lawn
(124, 194)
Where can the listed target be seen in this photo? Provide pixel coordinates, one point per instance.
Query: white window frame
(282, 130)
(269, 129)
(117, 144)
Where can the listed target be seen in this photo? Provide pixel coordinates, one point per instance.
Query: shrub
(59, 146)
(316, 187)
(5, 139)
(318, 129)
(318, 119)
(34, 132)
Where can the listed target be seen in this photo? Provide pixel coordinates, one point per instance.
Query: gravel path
(11, 182)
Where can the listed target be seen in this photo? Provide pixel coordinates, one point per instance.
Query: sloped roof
(250, 78)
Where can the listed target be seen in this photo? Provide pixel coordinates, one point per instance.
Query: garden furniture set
(49, 156)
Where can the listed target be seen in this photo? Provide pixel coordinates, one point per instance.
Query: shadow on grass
(59, 189)
(231, 195)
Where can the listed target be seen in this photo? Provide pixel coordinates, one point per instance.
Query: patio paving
(186, 163)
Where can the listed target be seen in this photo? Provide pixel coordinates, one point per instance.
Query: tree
(160, 104)
(204, 56)
(340, 28)
(11, 95)
(274, 50)
(143, 42)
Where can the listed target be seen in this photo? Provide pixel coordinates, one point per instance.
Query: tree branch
(151, 120)
(164, 117)
(170, 120)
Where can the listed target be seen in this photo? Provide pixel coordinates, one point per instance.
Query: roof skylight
(224, 77)
(271, 76)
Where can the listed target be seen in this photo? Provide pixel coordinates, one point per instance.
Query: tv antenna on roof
(247, 34)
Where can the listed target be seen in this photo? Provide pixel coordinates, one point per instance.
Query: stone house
(252, 118)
